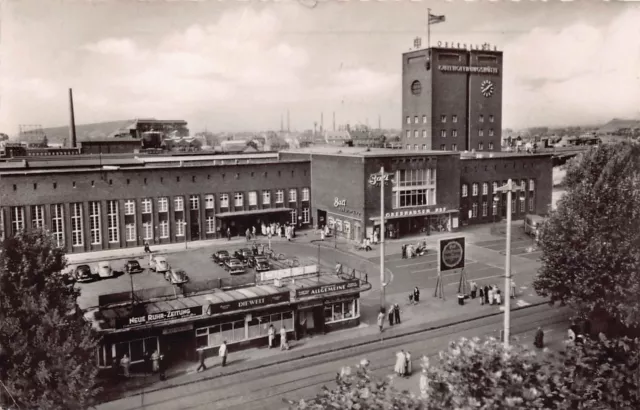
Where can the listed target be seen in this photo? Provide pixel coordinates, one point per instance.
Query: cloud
(113, 46)
(582, 74)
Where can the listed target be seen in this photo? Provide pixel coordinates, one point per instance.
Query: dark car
(221, 257)
(176, 276)
(243, 254)
(234, 266)
(132, 266)
(259, 263)
(83, 273)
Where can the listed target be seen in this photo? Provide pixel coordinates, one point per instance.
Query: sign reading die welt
(248, 303)
(452, 254)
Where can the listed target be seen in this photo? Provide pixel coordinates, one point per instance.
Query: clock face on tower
(487, 88)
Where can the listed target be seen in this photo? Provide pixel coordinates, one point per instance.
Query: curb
(288, 359)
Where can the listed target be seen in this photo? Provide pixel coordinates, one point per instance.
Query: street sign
(451, 254)
(377, 178)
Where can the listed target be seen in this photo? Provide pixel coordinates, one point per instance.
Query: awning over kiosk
(253, 212)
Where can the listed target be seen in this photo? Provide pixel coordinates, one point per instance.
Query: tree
(591, 243)
(48, 349)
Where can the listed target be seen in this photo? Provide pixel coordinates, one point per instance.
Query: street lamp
(494, 210)
(509, 188)
(184, 227)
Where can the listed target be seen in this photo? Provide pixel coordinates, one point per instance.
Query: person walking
(147, 248)
(538, 340)
(416, 294)
(404, 251)
(380, 320)
(396, 313)
(228, 234)
(272, 335)
(401, 363)
(491, 298)
(155, 361)
(201, 360)
(391, 315)
(253, 231)
(486, 295)
(162, 368)
(126, 364)
(481, 295)
(407, 366)
(222, 352)
(283, 339)
(474, 290)
(513, 289)
(367, 244)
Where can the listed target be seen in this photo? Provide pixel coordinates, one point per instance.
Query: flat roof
(366, 152)
(502, 154)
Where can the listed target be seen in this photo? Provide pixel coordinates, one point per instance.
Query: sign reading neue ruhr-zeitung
(133, 321)
(322, 289)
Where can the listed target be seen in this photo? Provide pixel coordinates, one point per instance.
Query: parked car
(104, 269)
(243, 254)
(159, 264)
(132, 266)
(83, 273)
(220, 257)
(234, 266)
(259, 263)
(176, 276)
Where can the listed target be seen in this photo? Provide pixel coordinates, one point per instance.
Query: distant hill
(617, 124)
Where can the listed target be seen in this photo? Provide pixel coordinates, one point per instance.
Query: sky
(233, 65)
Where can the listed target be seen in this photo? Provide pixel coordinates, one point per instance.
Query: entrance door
(322, 218)
(178, 347)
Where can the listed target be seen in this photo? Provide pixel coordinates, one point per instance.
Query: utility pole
(381, 178)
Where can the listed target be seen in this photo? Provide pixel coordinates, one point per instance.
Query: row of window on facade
(56, 227)
(443, 147)
(443, 133)
(494, 186)
(473, 212)
(443, 119)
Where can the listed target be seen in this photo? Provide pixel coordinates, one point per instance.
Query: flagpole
(428, 29)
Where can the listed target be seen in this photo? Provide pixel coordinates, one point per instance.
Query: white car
(159, 264)
(105, 270)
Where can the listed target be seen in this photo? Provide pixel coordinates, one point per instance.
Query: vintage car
(234, 266)
(243, 254)
(259, 263)
(132, 266)
(105, 270)
(159, 264)
(220, 257)
(176, 276)
(83, 273)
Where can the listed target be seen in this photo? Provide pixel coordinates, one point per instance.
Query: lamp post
(509, 188)
(184, 227)
(494, 210)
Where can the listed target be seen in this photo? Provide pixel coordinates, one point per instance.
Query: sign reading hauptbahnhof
(452, 254)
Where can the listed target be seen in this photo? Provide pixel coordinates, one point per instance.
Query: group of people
(154, 363)
(490, 294)
(403, 364)
(411, 251)
(223, 351)
(284, 344)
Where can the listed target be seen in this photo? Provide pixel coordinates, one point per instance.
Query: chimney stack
(379, 126)
(72, 121)
(321, 121)
(334, 120)
(288, 122)
(281, 122)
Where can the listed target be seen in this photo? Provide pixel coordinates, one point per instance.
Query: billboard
(451, 254)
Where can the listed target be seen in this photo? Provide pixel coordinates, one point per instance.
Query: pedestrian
(253, 231)
(474, 290)
(396, 313)
(126, 364)
(155, 361)
(411, 302)
(538, 340)
(147, 249)
(481, 294)
(486, 294)
(513, 289)
(115, 367)
(228, 233)
(322, 234)
(407, 364)
(247, 233)
(416, 294)
(498, 297)
(367, 244)
(401, 363)
(272, 335)
(491, 299)
(201, 360)
(404, 251)
(283, 339)
(381, 320)
(391, 315)
(147, 362)
(222, 352)
(162, 368)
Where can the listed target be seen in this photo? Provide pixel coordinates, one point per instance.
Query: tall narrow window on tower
(454, 118)
(443, 118)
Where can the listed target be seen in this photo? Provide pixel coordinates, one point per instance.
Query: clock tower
(452, 98)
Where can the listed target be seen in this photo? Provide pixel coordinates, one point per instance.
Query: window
(454, 147)
(485, 188)
(164, 228)
(424, 133)
(530, 204)
(77, 233)
(481, 119)
(280, 196)
(443, 147)
(180, 227)
(408, 133)
(112, 222)
(480, 146)
(465, 190)
(266, 197)
(494, 187)
(415, 146)
(408, 120)
(513, 206)
(293, 195)
(209, 201)
(224, 200)
(415, 134)
(454, 118)
(484, 208)
(57, 224)
(237, 331)
(37, 216)
(305, 216)
(294, 216)
(494, 209)
(414, 197)
(253, 198)
(523, 185)
(147, 230)
(522, 206)
(443, 118)
(163, 204)
(491, 119)
(491, 146)
(480, 133)
(238, 199)
(454, 133)
(340, 311)
(415, 119)
(443, 134)
(474, 189)
(178, 204)
(491, 132)
(129, 207)
(94, 223)
(424, 119)
(408, 146)
(474, 210)
(424, 147)
(211, 224)
(137, 349)
(146, 206)
(306, 194)
(531, 185)
(130, 231)
(194, 202)
(17, 219)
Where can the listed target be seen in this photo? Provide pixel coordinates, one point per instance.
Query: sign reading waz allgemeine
(322, 289)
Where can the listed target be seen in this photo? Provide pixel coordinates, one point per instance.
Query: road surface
(265, 388)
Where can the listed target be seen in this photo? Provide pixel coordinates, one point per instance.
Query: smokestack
(72, 121)
(379, 126)
(288, 122)
(321, 121)
(334, 120)
(281, 122)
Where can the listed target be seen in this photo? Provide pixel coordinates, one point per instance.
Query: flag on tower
(434, 19)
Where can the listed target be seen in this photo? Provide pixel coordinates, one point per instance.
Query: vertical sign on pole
(381, 178)
(451, 256)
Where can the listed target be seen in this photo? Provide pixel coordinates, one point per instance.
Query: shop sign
(321, 290)
(177, 329)
(133, 321)
(214, 308)
(339, 203)
(412, 212)
(340, 299)
(468, 69)
(452, 254)
(311, 304)
(375, 179)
